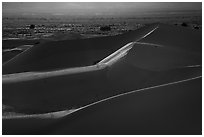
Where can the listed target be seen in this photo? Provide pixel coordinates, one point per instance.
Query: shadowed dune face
(9, 55)
(166, 110)
(57, 93)
(12, 52)
(174, 109)
(127, 74)
(175, 36)
(156, 58)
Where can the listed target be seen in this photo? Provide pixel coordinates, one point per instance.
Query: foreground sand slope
(173, 108)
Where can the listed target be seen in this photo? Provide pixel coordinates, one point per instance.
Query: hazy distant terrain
(48, 25)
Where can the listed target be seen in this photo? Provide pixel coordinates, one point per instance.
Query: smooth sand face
(147, 63)
(162, 110)
(176, 36)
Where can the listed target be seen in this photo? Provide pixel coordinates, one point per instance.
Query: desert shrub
(37, 42)
(32, 26)
(105, 28)
(184, 24)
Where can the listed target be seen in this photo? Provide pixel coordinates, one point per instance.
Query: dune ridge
(37, 75)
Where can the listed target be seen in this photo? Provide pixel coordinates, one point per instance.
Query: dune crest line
(138, 90)
(148, 33)
(37, 75)
(149, 44)
(117, 54)
(193, 66)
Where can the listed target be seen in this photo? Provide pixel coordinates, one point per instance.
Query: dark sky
(94, 8)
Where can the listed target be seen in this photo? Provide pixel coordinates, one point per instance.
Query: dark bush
(105, 28)
(32, 26)
(184, 24)
(37, 42)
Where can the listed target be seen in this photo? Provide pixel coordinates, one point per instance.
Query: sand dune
(127, 112)
(162, 110)
(67, 88)
(12, 52)
(6, 56)
(67, 75)
(71, 53)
